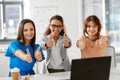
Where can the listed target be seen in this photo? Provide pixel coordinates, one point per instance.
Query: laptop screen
(97, 68)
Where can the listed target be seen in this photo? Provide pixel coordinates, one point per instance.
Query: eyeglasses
(56, 26)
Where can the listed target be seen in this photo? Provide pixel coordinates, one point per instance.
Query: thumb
(28, 52)
(38, 48)
(51, 36)
(64, 35)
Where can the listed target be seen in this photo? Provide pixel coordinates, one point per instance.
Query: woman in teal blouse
(23, 51)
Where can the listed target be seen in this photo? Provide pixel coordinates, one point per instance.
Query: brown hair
(20, 36)
(55, 17)
(94, 19)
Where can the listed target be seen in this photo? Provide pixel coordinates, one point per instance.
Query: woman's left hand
(38, 54)
(103, 42)
(66, 42)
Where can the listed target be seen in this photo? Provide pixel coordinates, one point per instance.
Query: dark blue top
(25, 67)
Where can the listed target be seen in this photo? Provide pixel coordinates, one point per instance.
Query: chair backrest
(110, 51)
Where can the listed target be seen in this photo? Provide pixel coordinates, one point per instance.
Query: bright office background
(12, 11)
(74, 13)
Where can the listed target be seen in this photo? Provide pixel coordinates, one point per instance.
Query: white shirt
(56, 59)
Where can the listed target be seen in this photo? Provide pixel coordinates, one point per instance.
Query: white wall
(71, 12)
(69, 9)
(4, 65)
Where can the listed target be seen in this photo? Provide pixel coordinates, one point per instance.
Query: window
(113, 23)
(109, 13)
(11, 12)
(95, 7)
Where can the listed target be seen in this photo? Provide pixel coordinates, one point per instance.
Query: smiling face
(28, 31)
(92, 29)
(56, 26)
(92, 26)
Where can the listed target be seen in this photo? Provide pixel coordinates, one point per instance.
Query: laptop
(97, 68)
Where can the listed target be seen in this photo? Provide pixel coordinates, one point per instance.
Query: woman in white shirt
(55, 41)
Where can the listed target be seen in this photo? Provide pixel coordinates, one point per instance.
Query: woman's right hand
(49, 43)
(28, 57)
(81, 43)
(77, 43)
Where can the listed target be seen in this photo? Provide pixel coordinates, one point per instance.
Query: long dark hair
(20, 36)
(55, 17)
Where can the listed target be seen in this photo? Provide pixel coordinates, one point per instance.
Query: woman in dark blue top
(23, 51)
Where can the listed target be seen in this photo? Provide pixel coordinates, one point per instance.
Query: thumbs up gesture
(38, 54)
(103, 42)
(77, 43)
(28, 56)
(65, 40)
(49, 43)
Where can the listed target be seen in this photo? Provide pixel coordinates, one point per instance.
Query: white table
(114, 75)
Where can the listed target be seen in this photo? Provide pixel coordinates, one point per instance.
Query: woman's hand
(77, 43)
(28, 57)
(66, 42)
(49, 43)
(81, 43)
(38, 54)
(103, 42)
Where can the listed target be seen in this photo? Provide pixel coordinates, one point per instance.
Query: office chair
(110, 51)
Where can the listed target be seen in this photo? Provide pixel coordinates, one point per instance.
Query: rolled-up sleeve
(13, 46)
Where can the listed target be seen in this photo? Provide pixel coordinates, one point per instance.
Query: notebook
(91, 68)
